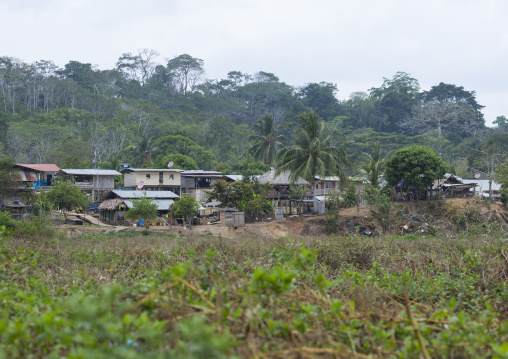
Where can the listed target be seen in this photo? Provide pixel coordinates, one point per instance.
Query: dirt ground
(353, 220)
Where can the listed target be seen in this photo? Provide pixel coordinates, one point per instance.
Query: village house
(116, 202)
(198, 183)
(327, 184)
(153, 179)
(38, 176)
(93, 181)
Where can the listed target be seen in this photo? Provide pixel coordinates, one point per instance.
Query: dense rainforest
(147, 114)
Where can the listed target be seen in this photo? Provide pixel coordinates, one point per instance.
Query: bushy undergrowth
(160, 296)
(34, 227)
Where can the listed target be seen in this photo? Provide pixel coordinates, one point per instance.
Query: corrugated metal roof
(234, 177)
(93, 172)
(200, 172)
(151, 170)
(203, 175)
(148, 194)
(162, 204)
(483, 185)
(27, 176)
(43, 167)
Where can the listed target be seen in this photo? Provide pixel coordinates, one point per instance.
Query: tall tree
(490, 156)
(452, 93)
(442, 118)
(266, 142)
(138, 67)
(321, 98)
(501, 122)
(313, 153)
(397, 98)
(187, 70)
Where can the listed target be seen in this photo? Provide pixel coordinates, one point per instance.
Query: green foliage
(419, 166)
(246, 196)
(385, 213)
(34, 227)
(351, 197)
(172, 144)
(179, 161)
(332, 220)
(115, 296)
(186, 206)
(8, 176)
(314, 152)
(249, 168)
(372, 171)
(142, 208)
(266, 142)
(66, 196)
(71, 154)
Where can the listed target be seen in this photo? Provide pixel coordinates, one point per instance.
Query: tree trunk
(490, 189)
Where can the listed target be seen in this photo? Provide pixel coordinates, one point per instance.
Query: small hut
(281, 183)
(452, 186)
(15, 208)
(113, 210)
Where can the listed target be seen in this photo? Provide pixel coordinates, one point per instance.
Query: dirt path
(422, 214)
(98, 222)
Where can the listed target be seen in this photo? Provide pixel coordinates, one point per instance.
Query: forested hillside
(146, 112)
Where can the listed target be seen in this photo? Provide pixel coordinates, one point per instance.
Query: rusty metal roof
(42, 167)
(27, 176)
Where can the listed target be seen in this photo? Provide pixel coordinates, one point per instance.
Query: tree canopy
(418, 166)
(144, 109)
(66, 196)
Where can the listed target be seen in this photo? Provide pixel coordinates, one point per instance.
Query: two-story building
(327, 184)
(198, 183)
(93, 181)
(39, 175)
(153, 179)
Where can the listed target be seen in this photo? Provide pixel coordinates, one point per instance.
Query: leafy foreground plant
(202, 300)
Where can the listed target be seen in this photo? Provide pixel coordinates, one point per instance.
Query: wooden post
(170, 217)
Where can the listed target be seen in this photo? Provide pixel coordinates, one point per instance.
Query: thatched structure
(280, 180)
(281, 183)
(112, 210)
(111, 204)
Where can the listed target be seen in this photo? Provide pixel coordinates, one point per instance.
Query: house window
(317, 186)
(171, 177)
(148, 176)
(161, 177)
(328, 185)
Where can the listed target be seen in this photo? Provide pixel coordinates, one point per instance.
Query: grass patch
(124, 294)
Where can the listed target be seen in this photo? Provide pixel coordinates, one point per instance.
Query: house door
(49, 178)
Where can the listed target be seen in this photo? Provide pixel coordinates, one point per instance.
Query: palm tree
(143, 150)
(313, 153)
(266, 142)
(372, 170)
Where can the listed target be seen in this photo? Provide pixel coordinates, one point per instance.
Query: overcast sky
(352, 43)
